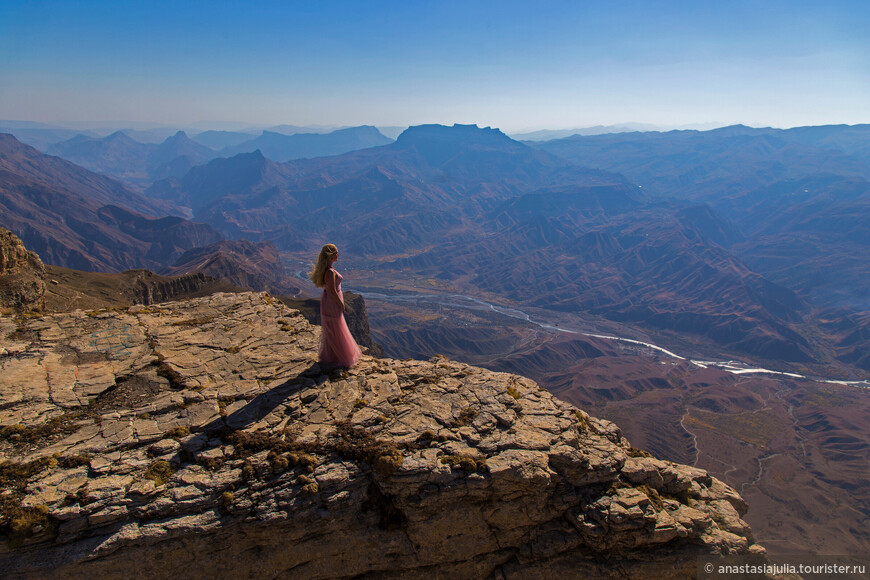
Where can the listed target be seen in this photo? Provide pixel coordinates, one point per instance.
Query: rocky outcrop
(197, 438)
(358, 322)
(146, 287)
(256, 266)
(22, 275)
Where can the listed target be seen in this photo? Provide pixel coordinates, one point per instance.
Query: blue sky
(513, 65)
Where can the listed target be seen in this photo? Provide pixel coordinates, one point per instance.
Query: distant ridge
(281, 147)
(221, 139)
(75, 218)
(251, 265)
(547, 134)
(800, 196)
(137, 163)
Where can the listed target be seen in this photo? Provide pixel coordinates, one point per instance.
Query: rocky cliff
(251, 265)
(22, 273)
(195, 438)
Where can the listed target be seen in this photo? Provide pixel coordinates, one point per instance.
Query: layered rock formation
(22, 273)
(201, 437)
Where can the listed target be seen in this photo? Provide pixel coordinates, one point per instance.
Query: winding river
(471, 303)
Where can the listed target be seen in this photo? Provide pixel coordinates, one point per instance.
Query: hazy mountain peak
(281, 147)
(360, 130)
(121, 137)
(181, 142)
(738, 129)
(8, 140)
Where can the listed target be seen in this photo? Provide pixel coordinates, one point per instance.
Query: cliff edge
(199, 437)
(22, 273)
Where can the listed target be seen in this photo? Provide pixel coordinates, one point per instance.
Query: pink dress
(337, 346)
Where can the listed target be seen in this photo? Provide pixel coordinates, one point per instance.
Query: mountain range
(139, 163)
(281, 147)
(75, 218)
(472, 206)
(737, 243)
(468, 204)
(131, 161)
(799, 199)
(78, 219)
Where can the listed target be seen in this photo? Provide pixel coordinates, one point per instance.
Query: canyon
(737, 244)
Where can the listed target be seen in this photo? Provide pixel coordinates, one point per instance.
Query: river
(471, 303)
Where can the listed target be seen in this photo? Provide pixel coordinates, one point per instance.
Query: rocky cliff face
(22, 274)
(146, 287)
(197, 438)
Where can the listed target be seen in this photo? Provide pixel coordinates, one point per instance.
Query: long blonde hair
(323, 262)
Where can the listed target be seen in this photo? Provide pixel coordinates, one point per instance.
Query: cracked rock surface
(196, 438)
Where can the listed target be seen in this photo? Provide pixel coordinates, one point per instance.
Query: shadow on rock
(264, 403)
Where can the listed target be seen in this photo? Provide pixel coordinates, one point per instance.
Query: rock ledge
(190, 438)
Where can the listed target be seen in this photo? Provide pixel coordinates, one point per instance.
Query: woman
(337, 346)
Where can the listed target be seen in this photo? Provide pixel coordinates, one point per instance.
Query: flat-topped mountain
(197, 437)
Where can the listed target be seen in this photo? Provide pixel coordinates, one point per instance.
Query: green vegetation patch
(55, 428)
(583, 421)
(653, 495)
(466, 416)
(428, 437)
(635, 452)
(19, 522)
(466, 462)
(177, 432)
(281, 462)
(176, 381)
(198, 321)
(352, 442)
(160, 472)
